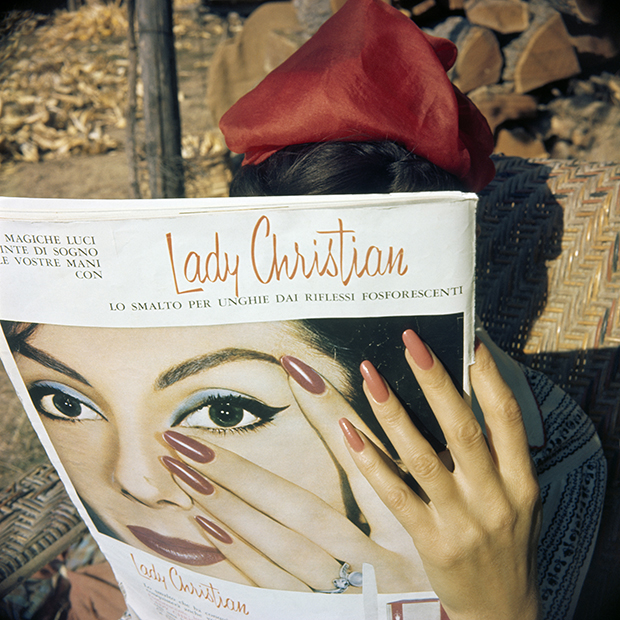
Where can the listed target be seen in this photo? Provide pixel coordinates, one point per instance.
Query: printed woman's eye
(224, 411)
(60, 402)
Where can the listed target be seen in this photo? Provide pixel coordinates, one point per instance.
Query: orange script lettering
(337, 258)
(216, 265)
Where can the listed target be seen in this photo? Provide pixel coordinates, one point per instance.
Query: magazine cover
(185, 364)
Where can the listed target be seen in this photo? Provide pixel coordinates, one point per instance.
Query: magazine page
(185, 364)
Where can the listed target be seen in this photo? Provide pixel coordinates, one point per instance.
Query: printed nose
(142, 476)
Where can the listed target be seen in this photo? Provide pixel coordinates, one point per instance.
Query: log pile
(523, 45)
(513, 52)
(514, 57)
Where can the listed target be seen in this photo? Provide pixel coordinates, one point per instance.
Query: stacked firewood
(510, 51)
(522, 44)
(519, 61)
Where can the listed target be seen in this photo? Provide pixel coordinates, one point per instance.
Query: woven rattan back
(37, 521)
(549, 278)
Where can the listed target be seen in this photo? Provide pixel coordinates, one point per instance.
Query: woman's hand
(477, 527)
(244, 510)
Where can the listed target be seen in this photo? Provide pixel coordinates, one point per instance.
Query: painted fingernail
(307, 377)
(190, 476)
(418, 351)
(189, 447)
(351, 435)
(213, 529)
(374, 381)
(477, 343)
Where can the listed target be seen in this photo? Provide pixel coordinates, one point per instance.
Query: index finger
(323, 405)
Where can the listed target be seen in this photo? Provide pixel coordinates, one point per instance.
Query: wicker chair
(37, 522)
(548, 290)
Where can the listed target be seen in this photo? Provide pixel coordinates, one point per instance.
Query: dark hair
(342, 168)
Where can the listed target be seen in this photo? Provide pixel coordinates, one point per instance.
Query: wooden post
(132, 78)
(161, 104)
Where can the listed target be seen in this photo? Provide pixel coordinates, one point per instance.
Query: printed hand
(477, 527)
(324, 406)
(282, 536)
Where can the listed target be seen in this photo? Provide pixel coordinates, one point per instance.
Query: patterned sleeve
(572, 475)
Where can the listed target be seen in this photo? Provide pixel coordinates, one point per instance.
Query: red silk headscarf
(368, 74)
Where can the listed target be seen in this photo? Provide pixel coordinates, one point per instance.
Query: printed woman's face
(115, 392)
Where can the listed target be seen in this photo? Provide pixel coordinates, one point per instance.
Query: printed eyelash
(250, 428)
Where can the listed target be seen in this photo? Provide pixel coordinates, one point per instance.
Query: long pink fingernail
(418, 351)
(350, 433)
(213, 529)
(190, 476)
(307, 377)
(189, 447)
(374, 381)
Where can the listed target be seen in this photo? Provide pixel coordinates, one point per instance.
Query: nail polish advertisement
(191, 388)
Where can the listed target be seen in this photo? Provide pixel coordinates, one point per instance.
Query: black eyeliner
(39, 390)
(255, 407)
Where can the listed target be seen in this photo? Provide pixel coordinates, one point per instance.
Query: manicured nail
(374, 381)
(351, 435)
(213, 529)
(189, 447)
(418, 351)
(307, 377)
(477, 343)
(190, 476)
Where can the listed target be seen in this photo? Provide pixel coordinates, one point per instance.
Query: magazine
(185, 364)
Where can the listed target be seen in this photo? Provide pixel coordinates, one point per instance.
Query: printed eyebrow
(204, 362)
(45, 359)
